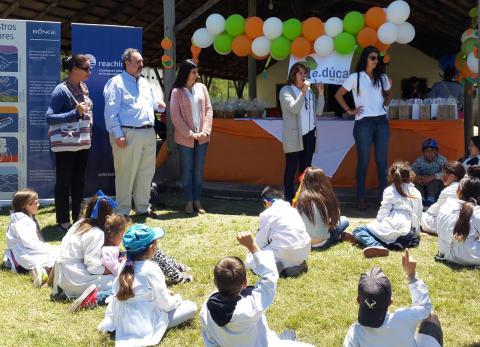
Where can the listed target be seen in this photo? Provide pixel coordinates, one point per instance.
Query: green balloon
(353, 22)
(223, 44)
(280, 48)
(235, 25)
(344, 43)
(473, 12)
(292, 28)
(468, 45)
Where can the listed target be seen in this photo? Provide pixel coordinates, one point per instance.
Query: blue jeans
(365, 237)
(102, 296)
(192, 160)
(366, 131)
(342, 225)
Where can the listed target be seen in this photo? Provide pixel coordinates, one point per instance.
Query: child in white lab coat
(25, 245)
(143, 308)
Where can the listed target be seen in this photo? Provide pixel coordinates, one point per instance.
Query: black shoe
(149, 214)
(60, 296)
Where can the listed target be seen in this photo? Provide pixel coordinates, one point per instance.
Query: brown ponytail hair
(104, 210)
(400, 172)
(455, 168)
(126, 277)
(317, 189)
(22, 198)
(469, 192)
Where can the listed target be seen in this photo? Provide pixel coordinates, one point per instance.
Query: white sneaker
(39, 274)
(370, 252)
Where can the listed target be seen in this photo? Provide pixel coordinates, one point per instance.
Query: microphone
(307, 83)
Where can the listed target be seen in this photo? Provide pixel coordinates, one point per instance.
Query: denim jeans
(192, 161)
(365, 238)
(366, 131)
(102, 296)
(342, 225)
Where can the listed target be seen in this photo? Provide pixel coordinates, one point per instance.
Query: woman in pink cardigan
(191, 113)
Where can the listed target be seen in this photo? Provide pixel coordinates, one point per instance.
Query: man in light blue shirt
(129, 119)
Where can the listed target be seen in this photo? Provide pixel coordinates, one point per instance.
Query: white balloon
(398, 12)
(261, 46)
(202, 38)
(323, 45)
(333, 26)
(470, 33)
(272, 28)
(215, 24)
(387, 33)
(472, 62)
(406, 32)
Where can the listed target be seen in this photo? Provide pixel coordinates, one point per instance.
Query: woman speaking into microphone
(299, 109)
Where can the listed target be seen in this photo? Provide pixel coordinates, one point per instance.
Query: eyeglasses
(86, 69)
(373, 58)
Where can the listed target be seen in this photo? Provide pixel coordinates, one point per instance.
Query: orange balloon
(167, 61)
(367, 37)
(300, 47)
(381, 46)
(386, 59)
(375, 17)
(256, 57)
(254, 27)
(475, 52)
(312, 28)
(241, 45)
(195, 50)
(166, 43)
(465, 71)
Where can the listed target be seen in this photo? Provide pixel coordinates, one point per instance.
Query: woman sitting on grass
(453, 172)
(458, 224)
(319, 208)
(398, 220)
(26, 249)
(79, 264)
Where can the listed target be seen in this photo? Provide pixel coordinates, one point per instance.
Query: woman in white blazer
(299, 109)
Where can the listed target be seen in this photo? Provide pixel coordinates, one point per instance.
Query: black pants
(298, 160)
(70, 171)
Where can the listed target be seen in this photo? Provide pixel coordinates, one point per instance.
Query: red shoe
(87, 300)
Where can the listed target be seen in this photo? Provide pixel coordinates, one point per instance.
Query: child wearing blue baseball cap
(428, 170)
(143, 308)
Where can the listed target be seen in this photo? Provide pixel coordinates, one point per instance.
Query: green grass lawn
(319, 305)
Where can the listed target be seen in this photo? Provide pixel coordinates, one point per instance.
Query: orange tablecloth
(242, 152)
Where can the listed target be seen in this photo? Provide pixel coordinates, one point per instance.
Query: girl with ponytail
(458, 224)
(143, 308)
(397, 225)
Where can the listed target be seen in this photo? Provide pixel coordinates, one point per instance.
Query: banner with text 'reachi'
(332, 69)
(104, 44)
(29, 71)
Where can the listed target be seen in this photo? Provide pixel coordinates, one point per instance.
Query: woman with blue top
(70, 103)
(299, 109)
(372, 93)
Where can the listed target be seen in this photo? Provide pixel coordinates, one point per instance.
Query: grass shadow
(456, 267)
(475, 344)
(53, 233)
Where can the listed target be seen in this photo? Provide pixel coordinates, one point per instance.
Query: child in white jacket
(397, 225)
(453, 172)
(282, 231)
(458, 225)
(235, 315)
(25, 241)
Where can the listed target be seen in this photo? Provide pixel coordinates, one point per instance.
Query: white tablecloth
(334, 140)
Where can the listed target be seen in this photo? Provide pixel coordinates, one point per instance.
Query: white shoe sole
(371, 252)
(76, 304)
(37, 273)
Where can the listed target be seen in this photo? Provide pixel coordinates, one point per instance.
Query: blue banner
(104, 44)
(29, 71)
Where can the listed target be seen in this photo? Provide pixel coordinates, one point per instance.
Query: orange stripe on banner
(8, 110)
(243, 128)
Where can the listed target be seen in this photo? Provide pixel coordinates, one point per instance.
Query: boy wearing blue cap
(143, 308)
(428, 170)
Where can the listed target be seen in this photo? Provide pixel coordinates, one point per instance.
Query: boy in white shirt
(376, 327)
(282, 231)
(235, 315)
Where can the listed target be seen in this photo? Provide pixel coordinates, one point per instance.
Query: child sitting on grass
(428, 170)
(378, 328)
(235, 315)
(320, 210)
(115, 227)
(282, 231)
(458, 223)
(26, 249)
(143, 308)
(397, 225)
(453, 172)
